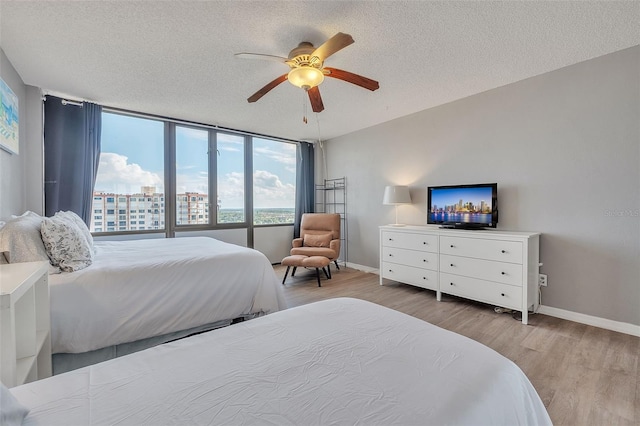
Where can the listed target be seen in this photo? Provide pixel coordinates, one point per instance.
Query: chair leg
(318, 276)
(285, 274)
(294, 271)
(327, 272)
(336, 262)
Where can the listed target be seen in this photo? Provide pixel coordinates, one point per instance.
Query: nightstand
(25, 339)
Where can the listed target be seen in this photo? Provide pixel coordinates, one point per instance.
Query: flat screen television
(463, 206)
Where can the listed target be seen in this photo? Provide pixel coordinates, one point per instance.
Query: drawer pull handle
(452, 246)
(390, 255)
(452, 264)
(390, 239)
(424, 242)
(502, 294)
(503, 251)
(390, 270)
(450, 283)
(503, 273)
(424, 278)
(424, 260)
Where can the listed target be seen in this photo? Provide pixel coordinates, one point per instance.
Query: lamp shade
(396, 195)
(305, 77)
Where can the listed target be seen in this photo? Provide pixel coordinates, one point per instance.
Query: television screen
(463, 206)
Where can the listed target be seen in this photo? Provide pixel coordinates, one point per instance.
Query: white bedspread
(341, 361)
(144, 288)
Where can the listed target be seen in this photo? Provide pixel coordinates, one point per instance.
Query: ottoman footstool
(297, 260)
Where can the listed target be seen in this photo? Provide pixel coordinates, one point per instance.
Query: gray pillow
(11, 411)
(65, 243)
(20, 239)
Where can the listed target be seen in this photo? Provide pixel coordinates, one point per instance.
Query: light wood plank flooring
(584, 375)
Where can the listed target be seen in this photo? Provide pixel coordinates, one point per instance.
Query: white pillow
(11, 411)
(79, 222)
(65, 243)
(20, 239)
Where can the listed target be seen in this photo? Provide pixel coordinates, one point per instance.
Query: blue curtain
(71, 156)
(305, 184)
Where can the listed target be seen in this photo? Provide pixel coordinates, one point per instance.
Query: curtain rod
(67, 102)
(184, 122)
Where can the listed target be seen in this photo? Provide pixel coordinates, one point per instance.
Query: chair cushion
(315, 251)
(316, 240)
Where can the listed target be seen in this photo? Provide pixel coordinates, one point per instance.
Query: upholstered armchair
(319, 236)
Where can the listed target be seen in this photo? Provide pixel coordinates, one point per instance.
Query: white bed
(138, 289)
(340, 361)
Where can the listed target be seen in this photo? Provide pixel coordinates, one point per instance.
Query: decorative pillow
(316, 240)
(66, 244)
(72, 216)
(11, 411)
(20, 239)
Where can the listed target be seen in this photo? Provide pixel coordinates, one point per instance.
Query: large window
(131, 168)
(192, 176)
(274, 182)
(230, 166)
(208, 181)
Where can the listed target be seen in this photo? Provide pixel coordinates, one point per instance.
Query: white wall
(564, 148)
(21, 175)
(12, 166)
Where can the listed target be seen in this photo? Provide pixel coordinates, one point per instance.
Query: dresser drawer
(497, 294)
(502, 251)
(418, 259)
(423, 242)
(408, 274)
(502, 272)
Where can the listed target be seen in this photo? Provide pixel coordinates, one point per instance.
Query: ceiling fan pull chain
(304, 107)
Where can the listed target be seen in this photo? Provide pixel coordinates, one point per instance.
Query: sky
(132, 156)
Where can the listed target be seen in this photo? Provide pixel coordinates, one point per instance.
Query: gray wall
(564, 148)
(21, 176)
(12, 166)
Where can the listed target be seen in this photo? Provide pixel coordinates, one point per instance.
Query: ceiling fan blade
(260, 93)
(316, 99)
(331, 46)
(245, 55)
(352, 78)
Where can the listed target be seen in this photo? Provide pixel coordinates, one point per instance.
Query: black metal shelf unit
(331, 197)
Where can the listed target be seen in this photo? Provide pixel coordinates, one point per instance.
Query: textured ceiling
(176, 58)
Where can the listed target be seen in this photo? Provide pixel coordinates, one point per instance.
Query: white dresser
(494, 267)
(25, 342)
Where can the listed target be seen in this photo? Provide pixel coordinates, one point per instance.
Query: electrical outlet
(542, 279)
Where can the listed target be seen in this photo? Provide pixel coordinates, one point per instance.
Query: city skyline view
(133, 156)
(477, 199)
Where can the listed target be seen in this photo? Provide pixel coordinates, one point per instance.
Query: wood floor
(584, 375)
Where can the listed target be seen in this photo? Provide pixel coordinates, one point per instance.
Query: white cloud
(286, 155)
(197, 182)
(116, 174)
(270, 191)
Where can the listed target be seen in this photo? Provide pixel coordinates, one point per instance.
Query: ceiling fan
(307, 69)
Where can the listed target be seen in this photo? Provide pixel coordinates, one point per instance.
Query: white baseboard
(362, 268)
(607, 324)
(621, 327)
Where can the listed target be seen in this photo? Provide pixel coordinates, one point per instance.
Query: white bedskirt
(145, 288)
(340, 361)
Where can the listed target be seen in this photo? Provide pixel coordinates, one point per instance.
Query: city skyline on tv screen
(472, 205)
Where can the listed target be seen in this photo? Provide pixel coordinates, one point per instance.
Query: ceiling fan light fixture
(305, 77)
